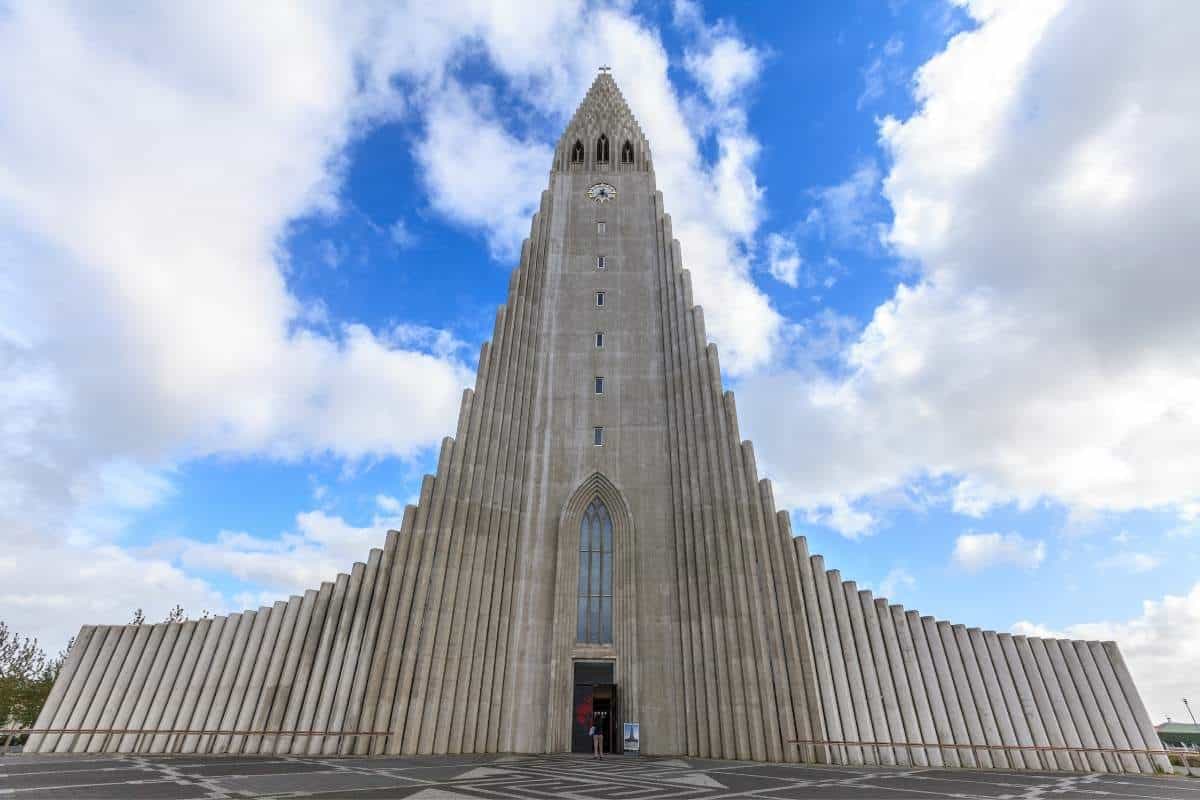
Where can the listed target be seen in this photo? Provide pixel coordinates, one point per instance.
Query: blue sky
(247, 262)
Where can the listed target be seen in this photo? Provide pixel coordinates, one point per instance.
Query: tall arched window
(594, 625)
(577, 153)
(602, 149)
(627, 152)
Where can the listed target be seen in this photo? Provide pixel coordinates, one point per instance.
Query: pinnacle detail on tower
(603, 112)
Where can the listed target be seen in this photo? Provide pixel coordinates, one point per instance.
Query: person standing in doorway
(597, 734)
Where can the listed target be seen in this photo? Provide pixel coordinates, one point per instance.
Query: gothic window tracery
(577, 152)
(602, 149)
(627, 152)
(595, 613)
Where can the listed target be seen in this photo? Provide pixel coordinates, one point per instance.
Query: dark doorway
(595, 699)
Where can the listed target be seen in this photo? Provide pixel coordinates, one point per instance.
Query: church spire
(603, 134)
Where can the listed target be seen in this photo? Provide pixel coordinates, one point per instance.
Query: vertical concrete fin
(58, 703)
(335, 667)
(248, 699)
(1133, 699)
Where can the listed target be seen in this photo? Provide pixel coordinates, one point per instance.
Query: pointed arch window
(627, 152)
(577, 152)
(595, 612)
(602, 149)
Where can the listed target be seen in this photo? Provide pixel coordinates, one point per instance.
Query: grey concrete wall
(730, 639)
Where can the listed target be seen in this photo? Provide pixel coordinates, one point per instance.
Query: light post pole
(1189, 710)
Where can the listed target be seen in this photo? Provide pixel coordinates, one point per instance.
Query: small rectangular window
(601, 226)
(599, 299)
(598, 436)
(599, 385)
(599, 339)
(601, 262)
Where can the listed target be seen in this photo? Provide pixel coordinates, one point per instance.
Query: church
(597, 547)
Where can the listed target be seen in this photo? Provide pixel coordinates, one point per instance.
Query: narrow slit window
(598, 436)
(599, 299)
(627, 152)
(601, 227)
(599, 384)
(599, 340)
(601, 262)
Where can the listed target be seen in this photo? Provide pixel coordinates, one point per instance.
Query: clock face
(601, 192)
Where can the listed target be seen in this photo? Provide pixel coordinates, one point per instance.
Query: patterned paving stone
(536, 777)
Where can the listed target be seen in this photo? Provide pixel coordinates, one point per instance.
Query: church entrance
(595, 703)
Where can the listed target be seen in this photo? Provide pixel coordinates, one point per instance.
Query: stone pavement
(30, 777)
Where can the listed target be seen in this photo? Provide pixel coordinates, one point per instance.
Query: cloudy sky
(948, 250)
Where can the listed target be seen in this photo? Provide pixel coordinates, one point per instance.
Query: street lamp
(1189, 710)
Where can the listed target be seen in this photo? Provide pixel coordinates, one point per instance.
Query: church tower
(596, 546)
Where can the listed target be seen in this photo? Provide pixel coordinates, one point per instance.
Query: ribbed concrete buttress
(726, 637)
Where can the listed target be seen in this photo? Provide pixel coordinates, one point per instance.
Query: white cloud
(783, 259)
(388, 504)
(1045, 348)
(1129, 561)
(896, 582)
(401, 235)
(321, 546)
(882, 72)
(977, 551)
(151, 172)
(1161, 647)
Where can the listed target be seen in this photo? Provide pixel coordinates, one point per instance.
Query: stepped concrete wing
(597, 547)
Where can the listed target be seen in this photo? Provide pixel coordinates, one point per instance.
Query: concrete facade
(728, 639)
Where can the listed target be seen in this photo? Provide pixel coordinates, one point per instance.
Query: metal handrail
(9, 734)
(1037, 748)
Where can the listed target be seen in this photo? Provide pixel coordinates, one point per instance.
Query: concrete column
(869, 704)
(289, 689)
(98, 698)
(774, 697)
(376, 713)
(831, 723)
(218, 663)
(1047, 706)
(305, 657)
(1062, 712)
(414, 613)
(333, 670)
(803, 677)
(1013, 723)
(145, 649)
(1072, 701)
(385, 719)
(149, 700)
(893, 716)
(54, 700)
(269, 652)
(680, 468)
(1122, 713)
(745, 643)
(173, 708)
(928, 675)
(992, 697)
(191, 694)
(976, 699)
(247, 652)
(1134, 700)
(838, 659)
(910, 688)
(81, 661)
(1105, 709)
(352, 664)
(321, 673)
(1078, 689)
(273, 690)
(949, 692)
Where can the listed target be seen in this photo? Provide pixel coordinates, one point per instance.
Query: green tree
(26, 675)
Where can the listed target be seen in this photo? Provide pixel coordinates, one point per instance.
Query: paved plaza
(30, 777)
